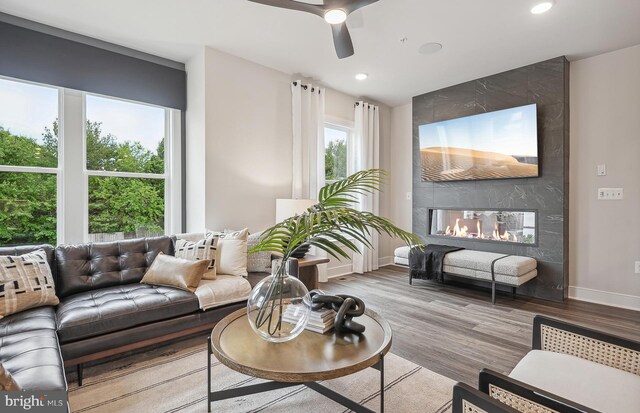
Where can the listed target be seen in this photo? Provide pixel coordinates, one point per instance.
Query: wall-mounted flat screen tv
(494, 145)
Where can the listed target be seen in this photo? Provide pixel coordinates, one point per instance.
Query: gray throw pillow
(259, 261)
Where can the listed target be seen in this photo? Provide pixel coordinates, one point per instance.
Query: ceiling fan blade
(293, 5)
(354, 5)
(342, 40)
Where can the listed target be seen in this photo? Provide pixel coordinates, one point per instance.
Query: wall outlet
(409, 196)
(602, 170)
(610, 194)
(637, 267)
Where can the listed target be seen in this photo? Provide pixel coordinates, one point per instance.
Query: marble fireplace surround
(546, 84)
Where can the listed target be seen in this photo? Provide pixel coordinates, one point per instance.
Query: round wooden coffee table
(308, 358)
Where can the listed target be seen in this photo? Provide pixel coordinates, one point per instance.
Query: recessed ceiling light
(335, 16)
(430, 48)
(362, 76)
(542, 7)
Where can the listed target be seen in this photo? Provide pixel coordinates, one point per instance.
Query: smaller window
(335, 152)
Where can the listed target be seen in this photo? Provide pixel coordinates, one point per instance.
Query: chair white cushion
(402, 252)
(401, 261)
(226, 289)
(591, 384)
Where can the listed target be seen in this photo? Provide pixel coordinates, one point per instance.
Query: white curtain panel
(308, 148)
(364, 153)
(308, 140)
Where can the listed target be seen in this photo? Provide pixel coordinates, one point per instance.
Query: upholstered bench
(504, 269)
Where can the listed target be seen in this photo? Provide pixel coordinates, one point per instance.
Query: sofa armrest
(523, 397)
(609, 350)
(466, 399)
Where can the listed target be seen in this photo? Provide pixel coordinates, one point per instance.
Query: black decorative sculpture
(346, 306)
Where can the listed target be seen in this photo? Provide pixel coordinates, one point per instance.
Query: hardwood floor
(456, 331)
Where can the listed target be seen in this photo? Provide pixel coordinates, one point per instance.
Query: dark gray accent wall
(39, 57)
(546, 84)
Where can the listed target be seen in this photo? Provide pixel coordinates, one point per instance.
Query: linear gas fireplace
(493, 226)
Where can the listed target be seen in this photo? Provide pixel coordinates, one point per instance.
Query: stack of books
(319, 321)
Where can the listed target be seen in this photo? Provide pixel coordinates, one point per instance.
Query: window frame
(168, 164)
(343, 125)
(72, 175)
(43, 169)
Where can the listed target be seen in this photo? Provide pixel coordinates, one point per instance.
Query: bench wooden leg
(493, 293)
(513, 290)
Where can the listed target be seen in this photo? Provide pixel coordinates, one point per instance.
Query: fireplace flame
(504, 236)
(459, 232)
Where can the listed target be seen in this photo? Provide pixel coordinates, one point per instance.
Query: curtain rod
(368, 104)
(305, 87)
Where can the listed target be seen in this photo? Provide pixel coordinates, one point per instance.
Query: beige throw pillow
(7, 383)
(175, 272)
(25, 282)
(204, 249)
(232, 252)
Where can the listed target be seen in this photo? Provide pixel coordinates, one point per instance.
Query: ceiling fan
(334, 12)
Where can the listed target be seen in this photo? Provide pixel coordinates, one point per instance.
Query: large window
(125, 162)
(77, 167)
(28, 163)
(335, 151)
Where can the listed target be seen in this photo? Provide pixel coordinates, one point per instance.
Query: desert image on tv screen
(495, 145)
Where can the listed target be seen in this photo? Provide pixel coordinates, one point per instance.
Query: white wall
(248, 142)
(239, 143)
(195, 143)
(605, 129)
(400, 208)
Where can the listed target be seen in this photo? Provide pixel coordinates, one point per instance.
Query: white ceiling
(480, 37)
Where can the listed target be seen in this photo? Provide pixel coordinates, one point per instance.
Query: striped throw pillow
(25, 282)
(205, 249)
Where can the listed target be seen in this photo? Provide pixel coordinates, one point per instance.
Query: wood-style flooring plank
(454, 329)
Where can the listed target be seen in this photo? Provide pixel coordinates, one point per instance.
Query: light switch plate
(610, 194)
(602, 170)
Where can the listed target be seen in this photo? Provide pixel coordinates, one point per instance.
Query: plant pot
(279, 306)
(301, 251)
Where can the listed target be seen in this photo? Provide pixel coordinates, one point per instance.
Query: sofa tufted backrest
(84, 267)
(25, 249)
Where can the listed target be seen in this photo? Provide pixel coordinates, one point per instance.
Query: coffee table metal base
(275, 385)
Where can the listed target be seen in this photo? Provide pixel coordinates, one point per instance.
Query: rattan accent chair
(466, 399)
(501, 394)
(561, 337)
(523, 397)
(497, 392)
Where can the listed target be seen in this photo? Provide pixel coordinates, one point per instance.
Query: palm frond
(333, 224)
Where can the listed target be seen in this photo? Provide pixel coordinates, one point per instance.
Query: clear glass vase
(279, 306)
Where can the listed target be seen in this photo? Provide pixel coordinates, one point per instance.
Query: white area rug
(173, 379)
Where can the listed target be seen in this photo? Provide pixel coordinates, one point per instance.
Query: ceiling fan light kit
(542, 7)
(335, 16)
(334, 12)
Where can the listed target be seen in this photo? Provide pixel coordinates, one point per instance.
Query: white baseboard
(631, 302)
(384, 261)
(347, 269)
(339, 271)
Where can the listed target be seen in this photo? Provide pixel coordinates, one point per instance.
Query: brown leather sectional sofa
(103, 311)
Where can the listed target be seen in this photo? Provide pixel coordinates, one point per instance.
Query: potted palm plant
(333, 225)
